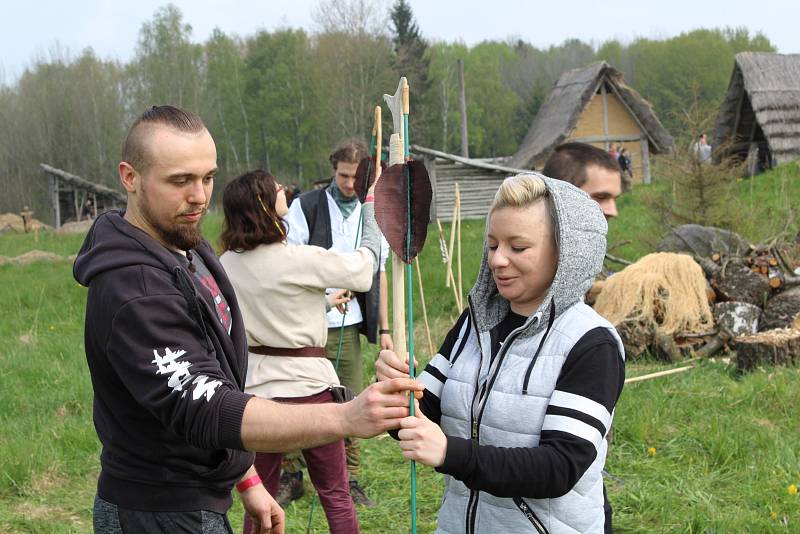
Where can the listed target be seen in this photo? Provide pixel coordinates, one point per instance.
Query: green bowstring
(372, 144)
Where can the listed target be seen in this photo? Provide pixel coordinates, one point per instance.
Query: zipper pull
(474, 430)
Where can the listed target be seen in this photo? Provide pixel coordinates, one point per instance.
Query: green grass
(726, 445)
(767, 204)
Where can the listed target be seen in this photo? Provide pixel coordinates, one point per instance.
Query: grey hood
(581, 238)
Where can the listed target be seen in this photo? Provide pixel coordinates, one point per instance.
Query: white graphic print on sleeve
(180, 375)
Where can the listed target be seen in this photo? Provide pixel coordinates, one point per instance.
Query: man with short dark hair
(329, 218)
(598, 173)
(167, 352)
(590, 169)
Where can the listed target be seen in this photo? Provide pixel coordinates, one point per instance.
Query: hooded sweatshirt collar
(581, 240)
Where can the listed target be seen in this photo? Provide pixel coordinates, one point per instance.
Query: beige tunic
(281, 292)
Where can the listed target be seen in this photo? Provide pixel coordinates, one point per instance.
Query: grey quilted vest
(518, 385)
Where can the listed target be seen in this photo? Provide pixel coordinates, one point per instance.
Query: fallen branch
(701, 334)
(711, 347)
(658, 374)
(615, 259)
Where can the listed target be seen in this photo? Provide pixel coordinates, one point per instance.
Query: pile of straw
(662, 293)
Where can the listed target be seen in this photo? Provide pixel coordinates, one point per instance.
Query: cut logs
(781, 309)
(737, 318)
(737, 282)
(771, 347)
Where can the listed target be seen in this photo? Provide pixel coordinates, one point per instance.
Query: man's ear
(128, 176)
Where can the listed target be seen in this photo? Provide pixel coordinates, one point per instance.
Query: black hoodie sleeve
(577, 420)
(156, 351)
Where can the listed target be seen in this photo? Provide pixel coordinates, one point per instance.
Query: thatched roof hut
(594, 105)
(478, 181)
(760, 115)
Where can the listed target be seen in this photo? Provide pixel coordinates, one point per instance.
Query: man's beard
(180, 236)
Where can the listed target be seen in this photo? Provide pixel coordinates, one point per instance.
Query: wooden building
(594, 105)
(478, 181)
(68, 194)
(759, 119)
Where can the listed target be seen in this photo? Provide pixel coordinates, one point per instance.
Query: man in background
(589, 168)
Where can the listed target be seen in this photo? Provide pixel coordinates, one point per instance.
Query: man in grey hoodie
(521, 395)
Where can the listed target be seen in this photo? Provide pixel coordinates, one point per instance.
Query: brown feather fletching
(366, 167)
(391, 201)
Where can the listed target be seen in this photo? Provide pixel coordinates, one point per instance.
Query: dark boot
(290, 488)
(359, 496)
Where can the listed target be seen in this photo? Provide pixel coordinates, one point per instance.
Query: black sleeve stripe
(461, 345)
(594, 369)
(580, 416)
(452, 336)
(433, 371)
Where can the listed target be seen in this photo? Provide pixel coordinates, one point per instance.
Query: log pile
(756, 290)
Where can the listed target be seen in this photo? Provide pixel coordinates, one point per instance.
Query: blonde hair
(519, 191)
(522, 191)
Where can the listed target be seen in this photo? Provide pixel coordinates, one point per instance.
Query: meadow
(708, 450)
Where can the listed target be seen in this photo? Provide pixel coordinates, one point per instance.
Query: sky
(30, 29)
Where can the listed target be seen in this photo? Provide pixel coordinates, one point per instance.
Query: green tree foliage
(167, 65)
(669, 72)
(282, 99)
(491, 104)
(226, 115)
(412, 61)
(283, 89)
(698, 192)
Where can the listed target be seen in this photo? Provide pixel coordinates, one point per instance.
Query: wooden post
(605, 111)
(458, 238)
(397, 155)
(430, 166)
(378, 140)
(645, 160)
(463, 104)
(75, 202)
(424, 308)
(398, 268)
(449, 279)
(56, 202)
(451, 249)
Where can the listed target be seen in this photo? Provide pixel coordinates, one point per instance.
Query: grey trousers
(111, 519)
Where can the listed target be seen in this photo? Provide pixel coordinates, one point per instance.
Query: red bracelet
(248, 483)
(370, 198)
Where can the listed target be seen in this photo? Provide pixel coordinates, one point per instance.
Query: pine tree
(411, 61)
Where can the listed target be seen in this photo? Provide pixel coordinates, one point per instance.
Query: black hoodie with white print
(167, 374)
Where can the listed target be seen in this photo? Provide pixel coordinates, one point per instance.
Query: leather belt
(310, 352)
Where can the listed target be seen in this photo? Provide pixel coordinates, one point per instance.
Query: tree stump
(736, 282)
(737, 318)
(781, 309)
(772, 347)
